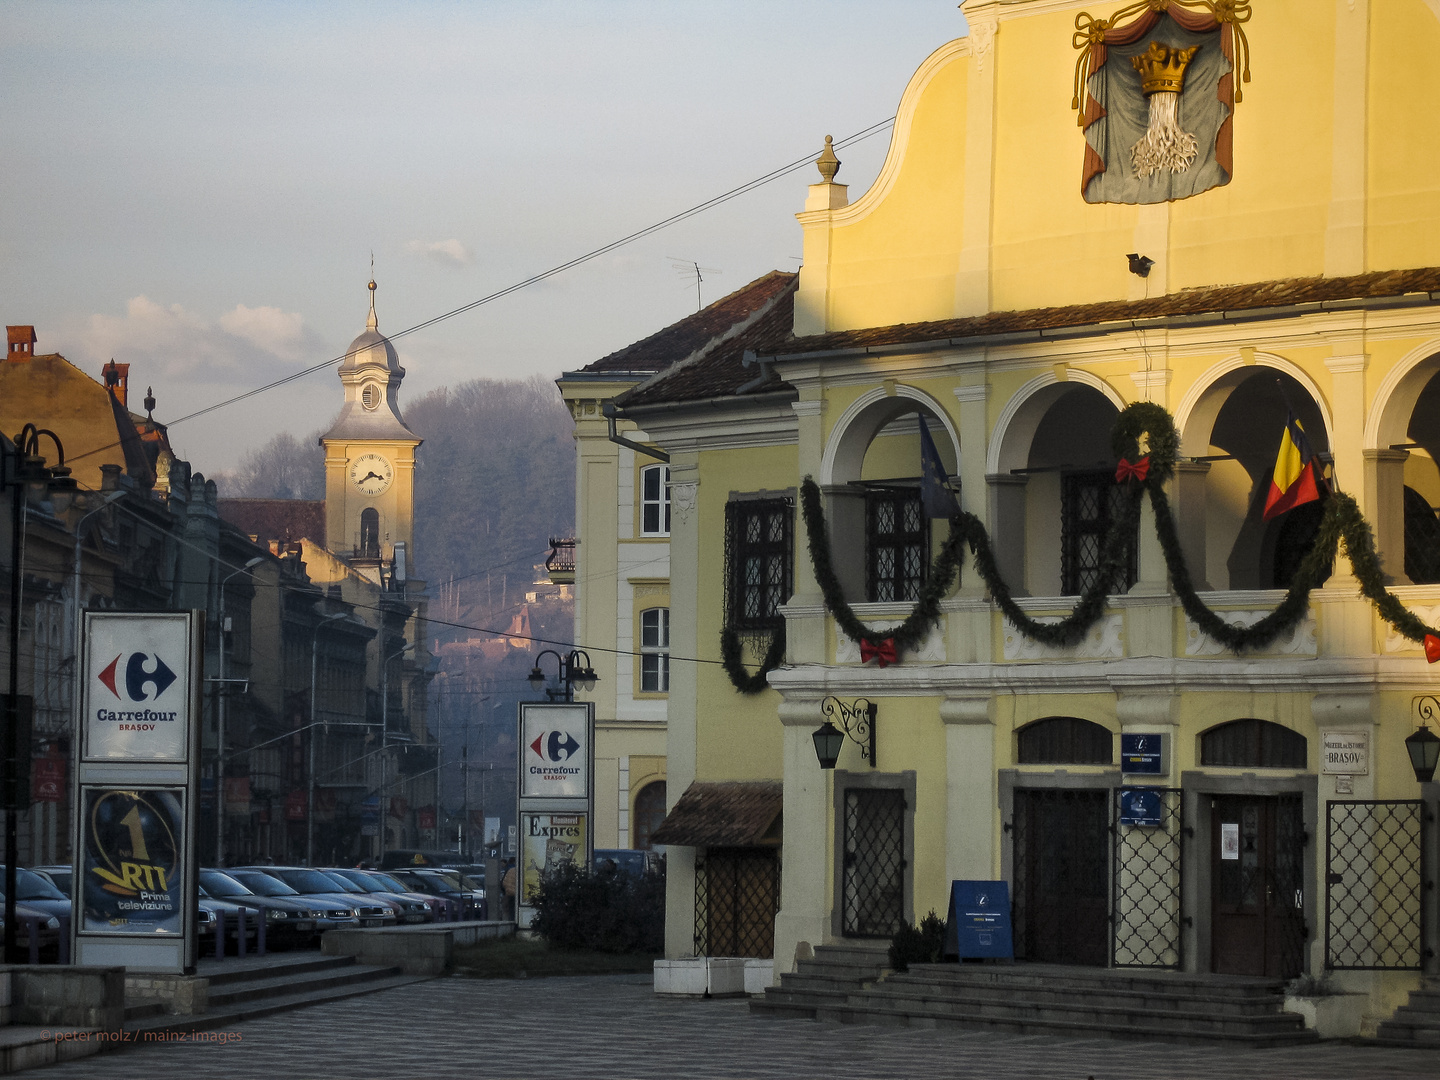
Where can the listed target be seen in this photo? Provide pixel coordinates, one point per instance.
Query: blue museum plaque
(1141, 753)
(979, 921)
(1141, 806)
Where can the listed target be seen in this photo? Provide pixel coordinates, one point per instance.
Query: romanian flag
(1295, 480)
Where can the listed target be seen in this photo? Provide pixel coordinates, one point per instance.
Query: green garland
(734, 662)
(1342, 523)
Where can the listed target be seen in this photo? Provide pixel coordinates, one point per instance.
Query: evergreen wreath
(1144, 438)
(734, 663)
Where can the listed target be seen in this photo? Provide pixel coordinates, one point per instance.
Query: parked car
(45, 926)
(408, 909)
(436, 905)
(207, 920)
(339, 909)
(39, 893)
(444, 884)
(288, 922)
(59, 876)
(632, 861)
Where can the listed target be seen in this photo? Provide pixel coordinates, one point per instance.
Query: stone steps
(1051, 999)
(1416, 1023)
(824, 981)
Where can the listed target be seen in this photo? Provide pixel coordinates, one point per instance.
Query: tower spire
(371, 323)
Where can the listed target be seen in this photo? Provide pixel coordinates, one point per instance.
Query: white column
(806, 864)
(971, 801)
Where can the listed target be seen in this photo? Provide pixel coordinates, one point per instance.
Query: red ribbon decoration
(1432, 648)
(1132, 470)
(884, 651)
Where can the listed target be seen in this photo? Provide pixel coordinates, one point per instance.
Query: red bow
(1132, 470)
(1432, 648)
(884, 651)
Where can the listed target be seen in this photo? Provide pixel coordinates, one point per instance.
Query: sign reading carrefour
(136, 693)
(554, 751)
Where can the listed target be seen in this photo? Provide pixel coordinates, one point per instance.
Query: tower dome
(371, 348)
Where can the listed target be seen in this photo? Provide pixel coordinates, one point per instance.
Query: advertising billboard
(131, 861)
(548, 841)
(554, 751)
(136, 790)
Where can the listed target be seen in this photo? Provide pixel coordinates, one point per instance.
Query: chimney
(22, 343)
(118, 376)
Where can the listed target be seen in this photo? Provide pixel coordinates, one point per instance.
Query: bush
(606, 911)
(918, 944)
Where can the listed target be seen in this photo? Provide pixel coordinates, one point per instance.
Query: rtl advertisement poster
(131, 861)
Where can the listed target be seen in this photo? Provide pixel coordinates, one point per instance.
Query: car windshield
(306, 881)
(451, 879)
(341, 883)
(218, 884)
(264, 884)
(31, 886)
(385, 881)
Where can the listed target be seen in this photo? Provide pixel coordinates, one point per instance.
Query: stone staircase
(819, 987)
(240, 990)
(1035, 999)
(1416, 1023)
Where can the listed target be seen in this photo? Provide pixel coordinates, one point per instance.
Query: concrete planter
(758, 975)
(1334, 1016)
(697, 976)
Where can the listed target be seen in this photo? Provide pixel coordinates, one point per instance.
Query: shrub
(918, 944)
(606, 911)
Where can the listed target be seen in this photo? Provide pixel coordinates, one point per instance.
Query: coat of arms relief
(1155, 93)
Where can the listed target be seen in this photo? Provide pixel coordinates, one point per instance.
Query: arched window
(1065, 740)
(649, 813)
(370, 533)
(1253, 744)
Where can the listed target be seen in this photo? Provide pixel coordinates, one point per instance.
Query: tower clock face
(371, 473)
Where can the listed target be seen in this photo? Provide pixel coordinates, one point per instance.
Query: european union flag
(935, 494)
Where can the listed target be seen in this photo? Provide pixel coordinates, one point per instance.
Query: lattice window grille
(1374, 887)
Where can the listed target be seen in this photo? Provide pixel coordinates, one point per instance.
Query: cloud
(244, 344)
(451, 252)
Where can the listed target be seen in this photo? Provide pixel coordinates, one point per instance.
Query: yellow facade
(1278, 276)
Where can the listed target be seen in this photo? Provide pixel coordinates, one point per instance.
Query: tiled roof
(1244, 300)
(732, 813)
(718, 371)
(286, 520)
(698, 331)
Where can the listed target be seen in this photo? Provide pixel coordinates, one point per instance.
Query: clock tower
(370, 459)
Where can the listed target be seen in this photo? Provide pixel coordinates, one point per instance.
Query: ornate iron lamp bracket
(857, 719)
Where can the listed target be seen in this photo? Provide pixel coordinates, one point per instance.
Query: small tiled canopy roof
(733, 813)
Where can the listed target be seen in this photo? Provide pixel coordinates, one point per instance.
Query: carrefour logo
(554, 746)
(143, 682)
(137, 677)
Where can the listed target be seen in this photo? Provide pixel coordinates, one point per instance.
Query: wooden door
(1257, 893)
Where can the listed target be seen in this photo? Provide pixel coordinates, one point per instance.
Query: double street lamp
(571, 672)
(24, 468)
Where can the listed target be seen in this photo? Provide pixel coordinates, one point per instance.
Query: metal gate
(873, 877)
(1374, 887)
(737, 894)
(1148, 833)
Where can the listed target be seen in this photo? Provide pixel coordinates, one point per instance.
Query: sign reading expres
(136, 692)
(554, 751)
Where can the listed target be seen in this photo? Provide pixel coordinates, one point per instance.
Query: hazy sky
(196, 189)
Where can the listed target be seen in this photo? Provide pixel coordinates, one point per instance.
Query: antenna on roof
(688, 268)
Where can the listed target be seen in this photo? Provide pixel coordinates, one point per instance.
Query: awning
(733, 813)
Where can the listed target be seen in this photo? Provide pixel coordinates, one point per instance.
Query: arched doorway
(649, 813)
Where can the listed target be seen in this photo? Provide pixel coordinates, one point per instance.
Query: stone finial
(827, 162)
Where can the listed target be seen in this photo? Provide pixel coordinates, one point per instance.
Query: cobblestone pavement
(616, 1027)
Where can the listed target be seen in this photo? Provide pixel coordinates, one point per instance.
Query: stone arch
(1402, 486)
(1195, 415)
(866, 417)
(1015, 427)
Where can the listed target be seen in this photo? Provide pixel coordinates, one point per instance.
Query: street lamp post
(221, 714)
(310, 786)
(385, 730)
(23, 466)
(570, 673)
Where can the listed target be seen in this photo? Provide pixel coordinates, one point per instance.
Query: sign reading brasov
(136, 785)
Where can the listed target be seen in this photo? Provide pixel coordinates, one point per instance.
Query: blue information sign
(1140, 806)
(980, 921)
(1140, 753)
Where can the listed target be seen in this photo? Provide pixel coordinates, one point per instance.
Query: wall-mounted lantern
(857, 719)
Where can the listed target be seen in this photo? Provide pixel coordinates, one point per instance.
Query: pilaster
(805, 870)
(972, 275)
(971, 800)
(1345, 224)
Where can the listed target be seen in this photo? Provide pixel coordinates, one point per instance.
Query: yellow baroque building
(1046, 245)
